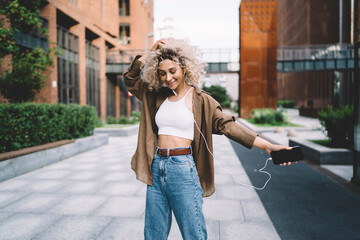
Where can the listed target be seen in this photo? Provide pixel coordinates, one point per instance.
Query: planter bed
(25, 160)
(323, 155)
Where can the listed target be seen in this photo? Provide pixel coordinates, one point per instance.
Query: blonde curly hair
(180, 51)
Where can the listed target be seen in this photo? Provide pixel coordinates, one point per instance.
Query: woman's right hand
(156, 45)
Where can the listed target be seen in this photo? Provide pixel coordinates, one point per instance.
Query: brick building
(299, 26)
(86, 31)
(315, 24)
(258, 42)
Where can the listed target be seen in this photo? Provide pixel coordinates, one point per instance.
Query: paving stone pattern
(94, 195)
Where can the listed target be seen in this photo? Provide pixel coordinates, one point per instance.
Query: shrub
(339, 125)
(135, 118)
(219, 94)
(30, 124)
(270, 116)
(286, 103)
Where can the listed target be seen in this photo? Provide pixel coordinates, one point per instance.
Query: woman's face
(171, 73)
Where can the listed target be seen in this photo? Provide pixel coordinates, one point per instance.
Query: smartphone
(283, 156)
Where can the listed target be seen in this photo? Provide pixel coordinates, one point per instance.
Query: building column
(79, 30)
(49, 93)
(117, 97)
(100, 43)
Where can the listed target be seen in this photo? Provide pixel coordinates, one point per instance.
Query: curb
(270, 129)
(118, 132)
(17, 166)
(323, 155)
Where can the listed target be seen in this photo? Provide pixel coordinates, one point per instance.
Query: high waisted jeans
(176, 188)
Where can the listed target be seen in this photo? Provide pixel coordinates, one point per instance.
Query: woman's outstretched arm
(269, 147)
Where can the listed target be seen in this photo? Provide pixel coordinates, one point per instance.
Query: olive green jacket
(207, 114)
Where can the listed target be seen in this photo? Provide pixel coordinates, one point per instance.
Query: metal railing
(218, 60)
(315, 57)
(313, 52)
(34, 38)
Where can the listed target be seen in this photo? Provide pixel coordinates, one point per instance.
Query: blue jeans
(176, 187)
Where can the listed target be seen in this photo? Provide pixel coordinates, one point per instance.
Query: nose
(168, 76)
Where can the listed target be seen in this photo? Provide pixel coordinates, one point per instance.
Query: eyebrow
(172, 68)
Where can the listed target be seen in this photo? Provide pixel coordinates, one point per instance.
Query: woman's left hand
(269, 147)
(273, 147)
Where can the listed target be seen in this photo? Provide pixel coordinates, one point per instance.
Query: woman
(173, 155)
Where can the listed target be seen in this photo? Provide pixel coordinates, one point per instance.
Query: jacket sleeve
(132, 79)
(227, 125)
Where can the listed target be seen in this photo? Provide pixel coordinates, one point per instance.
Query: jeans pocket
(180, 160)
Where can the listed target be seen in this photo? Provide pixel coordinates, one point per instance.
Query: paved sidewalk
(94, 195)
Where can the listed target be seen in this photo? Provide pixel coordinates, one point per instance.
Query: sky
(205, 23)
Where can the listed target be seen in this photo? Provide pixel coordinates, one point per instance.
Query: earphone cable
(235, 177)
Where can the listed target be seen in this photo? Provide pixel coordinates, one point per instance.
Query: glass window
(124, 8)
(92, 76)
(68, 86)
(124, 34)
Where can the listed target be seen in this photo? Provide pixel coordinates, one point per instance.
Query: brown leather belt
(173, 152)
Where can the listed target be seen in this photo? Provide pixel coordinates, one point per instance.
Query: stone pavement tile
(116, 167)
(230, 170)
(222, 210)
(229, 179)
(34, 203)
(254, 211)
(122, 207)
(111, 160)
(62, 165)
(231, 230)
(14, 184)
(344, 171)
(213, 230)
(9, 197)
(175, 233)
(123, 229)
(212, 227)
(5, 215)
(87, 166)
(82, 159)
(25, 226)
(142, 192)
(52, 174)
(118, 176)
(236, 192)
(75, 228)
(78, 205)
(122, 189)
(82, 187)
(84, 175)
(46, 186)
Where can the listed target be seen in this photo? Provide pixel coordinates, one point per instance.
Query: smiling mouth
(169, 84)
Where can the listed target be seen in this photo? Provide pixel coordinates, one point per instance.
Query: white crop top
(175, 119)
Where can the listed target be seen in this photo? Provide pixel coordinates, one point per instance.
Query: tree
(219, 94)
(25, 78)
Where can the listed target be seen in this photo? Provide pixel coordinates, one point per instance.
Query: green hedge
(270, 116)
(135, 118)
(30, 124)
(286, 103)
(339, 125)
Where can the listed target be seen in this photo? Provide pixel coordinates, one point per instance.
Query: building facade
(258, 41)
(309, 25)
(87, 31)
(285, 29)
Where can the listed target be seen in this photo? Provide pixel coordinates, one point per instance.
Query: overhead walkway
(337, 57)
(218, 60)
